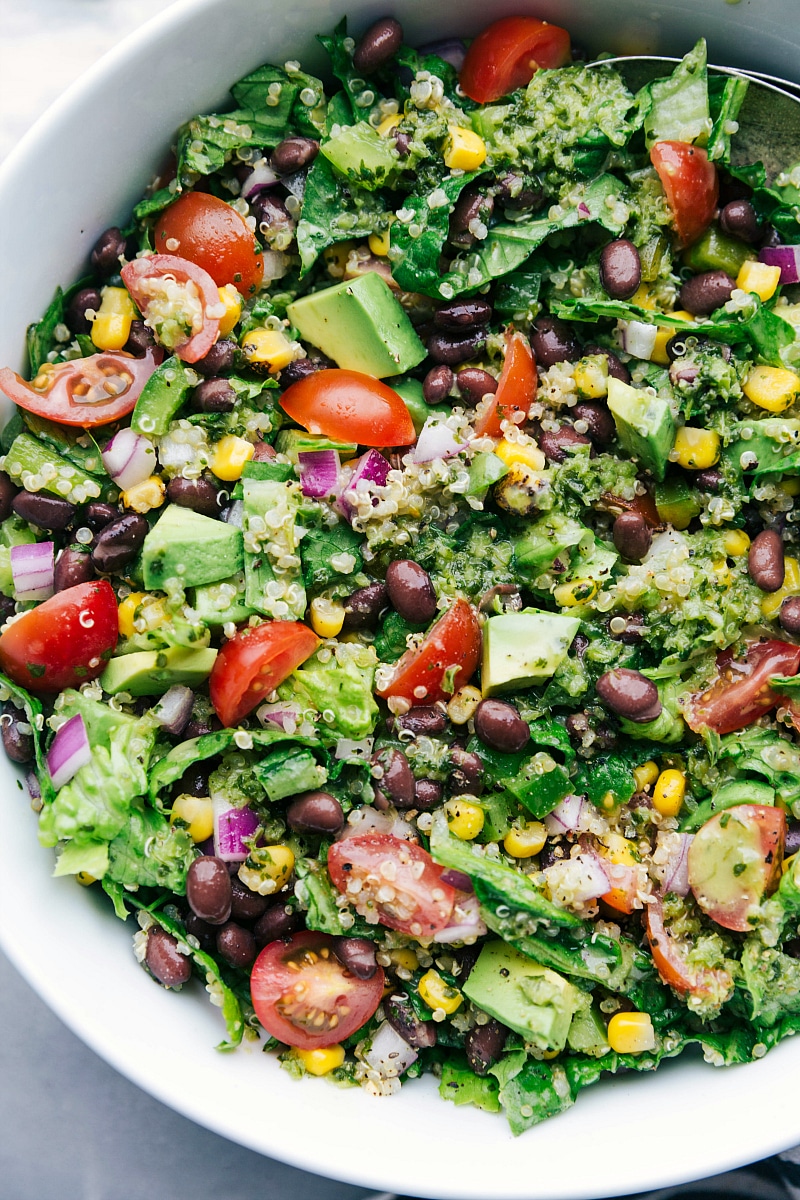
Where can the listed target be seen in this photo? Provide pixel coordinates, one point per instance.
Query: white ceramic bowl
(80, 170)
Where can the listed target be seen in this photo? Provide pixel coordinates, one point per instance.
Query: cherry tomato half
(254, 662)
(741, 692)
(213, 236)
(64, 642)
(144, 274)
(508, 52)
(88, 392)
(351, 407)
(691, 185)
(421, 903)
(305, 997)
(672, 962)
(734, 861)
(453, 642)
(516, 388)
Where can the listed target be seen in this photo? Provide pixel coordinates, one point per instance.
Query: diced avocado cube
(485, 469)
(645, 424)
(292, 442)
(546, 542)
(524, 648)
(360, 325)
(219, 603)
(193, 549)
(676, 502)
(587, 1033)
(534, 1001)
(360, 149)
(153, 672)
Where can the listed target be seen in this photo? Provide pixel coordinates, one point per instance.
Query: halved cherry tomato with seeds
(351, 407)
(446, 659)
(741, 692)
(516, 388)
(254, 662)
(506, 55)
(64, 642)
(92, 391)
(672, 963)
(691, 185)
(188, 323)
(393, 881)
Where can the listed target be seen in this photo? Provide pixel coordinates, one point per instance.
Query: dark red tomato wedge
(254, 662)
(516, 388)
(691, 185)
(351, 407)
(213, 236)
(741, 693)
(508, 52)
(64, 642)
(141, 274)
(92, 391)
(672, 963)
(398, 881)
(446, 659)
(305, 997)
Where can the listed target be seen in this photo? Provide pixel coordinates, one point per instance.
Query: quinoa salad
(400, 570)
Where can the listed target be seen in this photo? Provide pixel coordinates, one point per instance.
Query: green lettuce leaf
(149, 852)
(677, 108)
(342, 688)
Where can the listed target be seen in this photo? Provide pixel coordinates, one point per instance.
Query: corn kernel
(140, 606)
(631, 1033)
(579, 591)
(438, 994)
(591, 377)
(645, 775)
(659, 354)
(85, 879)
(771, 604)
(111, 328)
(772, 388)
(463, 704)
(276, 863)
(790, 486)
(232, 301)
(336, 257)
(327, 617)
(197, 813)
(388, 124)
(268, 348)
(757, 277)
(522, 842)
(230, 455)
(464, 818)
(695, 449)
(379, 243)
(511, 453)
(404, 958)
(723, 576)
(145, 496)
(322, 1059)
(736, 543)
(464, 150)
(669, 792)
(127, 611)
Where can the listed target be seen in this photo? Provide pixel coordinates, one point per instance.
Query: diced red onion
(785, 257)
(450, 50)
(262, 176)
(69, 752)
(276, 264)
(174, 709)
(466, 922)
(589, 876)
(638, 338)
(283, 714)
(33, 785)
(319, 472)
(436, 440)
(676, 869)
(129, 458)
(363, 821)
(584, 211)
(370, 470)
(389, 1054)
(457, 879)
(566, 816)
(231, 827)
(33, 570)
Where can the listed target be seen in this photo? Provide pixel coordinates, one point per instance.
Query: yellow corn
(405, 958)
(591, 377)
(771, 604)
(522, 842)
(232, 301)
(513, 452)
(579, 591)
(437, 994)
(111, 328)
(631, 1033)
(322, 1059)
(379, 243)
(464, 150)
(144, 496)
(336, 257)
(645, 775)
(695, 449)
(757, 277)
(619, 849)
(659, 354)
(642, 297)
(268, 348)
(464, 818)
(669, 792)
(327, 617)
(197, 813)
(723, 577)
(790, 486)
(772, 388)
(388, 124)
(230, 455)
(85, 879)
(140, 606)
(274, 865)
(462, 706)
(736, 543)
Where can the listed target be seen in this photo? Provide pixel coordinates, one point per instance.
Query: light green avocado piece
(215, 604)
(360, 149)
(193, 549)
(546, 540)
(292, 442)
(645, 424)
(587, 1033)
(153, 672)
(360, 325)
(534, 1001)
(524, 648)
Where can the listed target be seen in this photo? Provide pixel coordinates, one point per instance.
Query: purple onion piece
(129, 458)
(436, 440)
(567, 815)
(319, 472)
(231, 827)
(451, 50)
(33, 570)
(785, 257)
(371, 469)
(174, 709)
(69, 752)
(458, 880)
(262, 176)
(676, 869)
(33, 785)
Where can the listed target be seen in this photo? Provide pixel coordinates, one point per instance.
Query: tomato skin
(508, 52)
(691, 185)
(254, 662)
(328, 988)
(673, 967)
(212, 235)
(455, 640)
(155, 266)
(61, 637)
(741, 692)
(57, 402)
(362, 857)
(351, 407)
(516, 388)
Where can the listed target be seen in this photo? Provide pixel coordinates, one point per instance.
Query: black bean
(236, 945)
(197, 494)
(427, 794)
(208, 889)
(357, 954)
(553, 341)
(437, 384)
(273, 218)
(765, 562)
(246, 905)
(616, 368)
(424, 720)
(363, 607)
(556, 444)
(293, 154)
(421, 1035)
(198, 726)
(194, 781)
(632, 634)
(739, 219)
(7, 493)
(118, 544)
(629, 694)
(632, 536)
(277, 922)
(600, 424)
(107, 251)
(410, 591)
(315, 812)
(771, 237)
(472, 205)
(17, 745)
(48, 512)
(380, 43)
(206, 934)
(75, 314)
(299, 369)
(706, 292)
(97, 515)
(263, 452)
(214, 396)
(72, 567)
(789, 615)
(474, 383)
(460, 315)
(219, 360)
(791, 843)
(467, 772)
(140, 340)
(709, 480)
(453, 348)
(514, 192)
(7, 608)
(620, 269)
(500, 727)
(484, 1044)
(164, 960)
(396, 784)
